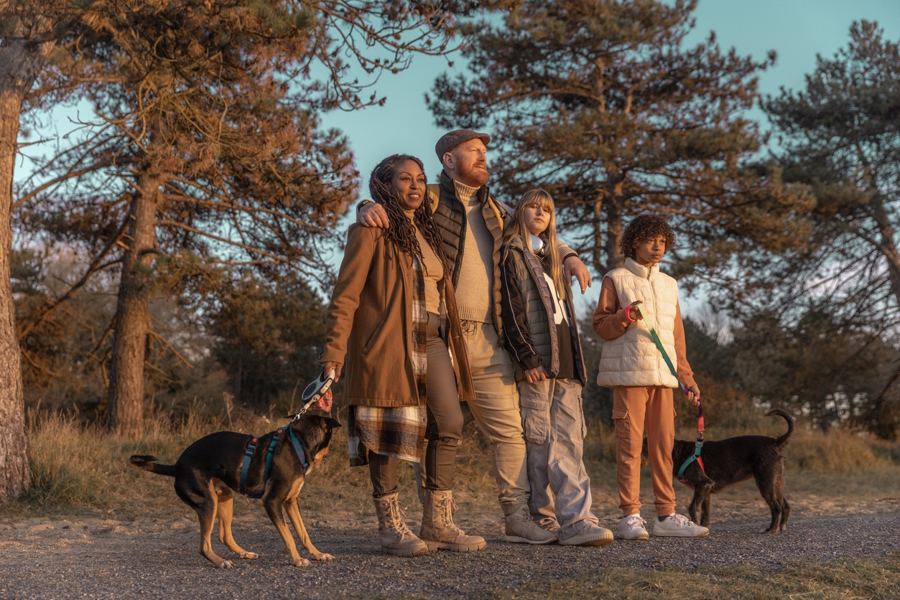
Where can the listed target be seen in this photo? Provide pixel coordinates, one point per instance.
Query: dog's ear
(327, 423)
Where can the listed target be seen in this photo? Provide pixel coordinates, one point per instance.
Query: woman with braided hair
(391, 320)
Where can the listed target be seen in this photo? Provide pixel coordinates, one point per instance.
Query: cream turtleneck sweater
(476, 277)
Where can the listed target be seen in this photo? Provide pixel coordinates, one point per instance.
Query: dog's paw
(226, 564)
(324, 556)
(249, 555)
(301, 562)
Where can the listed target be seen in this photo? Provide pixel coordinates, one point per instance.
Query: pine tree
(268, 335)
(818, 364)
(600, 103)
(167, 76)
(23, 52)
(65, 355)
(841, 137)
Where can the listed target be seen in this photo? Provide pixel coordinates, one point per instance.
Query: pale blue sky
(796, 29)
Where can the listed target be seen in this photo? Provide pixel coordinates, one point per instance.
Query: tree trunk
(614, 256)
(125, 409)
(15, 476)
(20, 63)
(888, 248)
(597, 251)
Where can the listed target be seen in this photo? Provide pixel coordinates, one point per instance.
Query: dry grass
(78, 466)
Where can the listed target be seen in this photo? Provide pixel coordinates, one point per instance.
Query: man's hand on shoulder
(573, 267)
(372, 214)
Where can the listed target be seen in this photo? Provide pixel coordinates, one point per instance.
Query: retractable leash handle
(315, 391)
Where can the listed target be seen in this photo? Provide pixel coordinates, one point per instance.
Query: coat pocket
(376, 331)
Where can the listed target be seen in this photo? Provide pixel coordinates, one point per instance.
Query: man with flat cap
(471, 224)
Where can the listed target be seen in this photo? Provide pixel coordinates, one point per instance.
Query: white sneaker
(632, 528)
(678, 526)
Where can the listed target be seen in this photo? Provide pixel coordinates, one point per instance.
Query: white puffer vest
(632, 359)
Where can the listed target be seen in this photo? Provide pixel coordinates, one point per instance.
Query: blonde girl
(542, 337)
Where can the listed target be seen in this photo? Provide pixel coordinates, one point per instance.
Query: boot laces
(447, 506)
(398, 520)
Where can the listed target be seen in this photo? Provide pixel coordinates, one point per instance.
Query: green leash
(700, 424)
(662, 350)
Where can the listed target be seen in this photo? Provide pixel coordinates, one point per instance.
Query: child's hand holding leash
(633, 313)
(693, 394)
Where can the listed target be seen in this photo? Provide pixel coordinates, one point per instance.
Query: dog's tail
(781, 441)
(148, 463)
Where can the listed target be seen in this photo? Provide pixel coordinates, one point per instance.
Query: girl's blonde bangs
(543, 198)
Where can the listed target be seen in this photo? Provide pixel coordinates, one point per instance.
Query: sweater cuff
(531, 362)
(687, 380)
(568, 256)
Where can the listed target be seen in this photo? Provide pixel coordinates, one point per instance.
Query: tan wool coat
(369, 323)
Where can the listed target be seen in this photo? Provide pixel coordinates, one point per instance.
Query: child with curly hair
(632, 365)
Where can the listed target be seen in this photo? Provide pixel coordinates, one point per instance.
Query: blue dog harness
(695, 456)
(311, 394)
(251, 449)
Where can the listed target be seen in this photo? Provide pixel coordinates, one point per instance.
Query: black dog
(731, 461)
(209, 469)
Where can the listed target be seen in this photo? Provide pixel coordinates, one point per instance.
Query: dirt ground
(103, 554)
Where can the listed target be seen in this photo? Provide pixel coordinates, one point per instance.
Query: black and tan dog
(731, 461)
(209, 469)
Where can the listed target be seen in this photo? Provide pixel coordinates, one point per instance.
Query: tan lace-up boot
(395, 536)
(438, 529)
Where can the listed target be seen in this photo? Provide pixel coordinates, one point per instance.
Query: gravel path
(97, 558)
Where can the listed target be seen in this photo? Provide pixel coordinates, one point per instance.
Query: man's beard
(479, 177)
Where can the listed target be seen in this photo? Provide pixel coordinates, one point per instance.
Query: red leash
(697, 448)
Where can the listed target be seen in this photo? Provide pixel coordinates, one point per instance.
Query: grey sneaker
(679, 526)
(521, 528)
(592, 535)
(632, 528)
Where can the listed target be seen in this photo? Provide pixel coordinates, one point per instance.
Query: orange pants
(634, 410)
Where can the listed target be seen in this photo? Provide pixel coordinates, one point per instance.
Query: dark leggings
(445, 423)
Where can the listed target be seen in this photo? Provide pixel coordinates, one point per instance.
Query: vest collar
(641, 271)
(448, 186)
